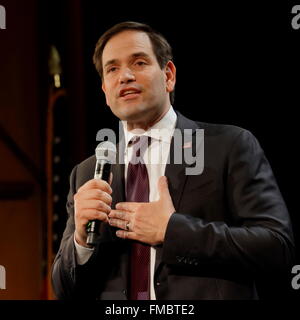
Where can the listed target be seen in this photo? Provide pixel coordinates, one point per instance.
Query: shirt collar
(162, 130)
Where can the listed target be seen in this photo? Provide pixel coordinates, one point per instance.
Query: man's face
(136, 88)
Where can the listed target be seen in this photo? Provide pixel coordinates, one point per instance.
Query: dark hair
(160, 45)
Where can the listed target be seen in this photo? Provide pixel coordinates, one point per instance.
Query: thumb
(163, 188)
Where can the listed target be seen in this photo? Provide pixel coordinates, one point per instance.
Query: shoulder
(83, 172)
(86, 165)
(216, 132)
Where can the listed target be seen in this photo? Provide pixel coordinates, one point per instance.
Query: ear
(170, 72)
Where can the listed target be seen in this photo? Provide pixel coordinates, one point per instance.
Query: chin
(131, 113)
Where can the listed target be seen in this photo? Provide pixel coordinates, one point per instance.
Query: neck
(145, 125)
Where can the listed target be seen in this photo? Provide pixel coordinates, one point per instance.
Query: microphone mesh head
(107, 151)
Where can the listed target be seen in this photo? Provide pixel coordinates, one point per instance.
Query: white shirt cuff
(82, 253)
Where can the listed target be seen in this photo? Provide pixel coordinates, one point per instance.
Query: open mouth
(129, 93)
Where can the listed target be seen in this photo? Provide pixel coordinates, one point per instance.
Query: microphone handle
(102, 171)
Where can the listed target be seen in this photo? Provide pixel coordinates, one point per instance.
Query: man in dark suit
(206, 236)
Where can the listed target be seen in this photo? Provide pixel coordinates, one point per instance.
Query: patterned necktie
(137, 190)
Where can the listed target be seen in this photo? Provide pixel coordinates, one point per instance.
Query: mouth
(129, 93)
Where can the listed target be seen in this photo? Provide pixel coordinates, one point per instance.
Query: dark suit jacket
(231, 224)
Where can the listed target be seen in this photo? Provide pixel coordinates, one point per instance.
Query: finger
(126, 235)
(96, 194)
(93, 204)
(163, 188)
(127, 206)
(119, 215)
(90, 214)
(118, 223)
(96, 184)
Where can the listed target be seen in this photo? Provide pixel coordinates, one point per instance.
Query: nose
(126, 76)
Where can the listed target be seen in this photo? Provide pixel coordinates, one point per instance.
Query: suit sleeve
(69, 279)
(259, 239)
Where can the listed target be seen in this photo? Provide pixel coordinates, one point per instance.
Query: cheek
(159, 86)
(108, 95)
(107, 98)
(156, 83)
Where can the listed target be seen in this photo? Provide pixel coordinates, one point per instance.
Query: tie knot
(139, 144)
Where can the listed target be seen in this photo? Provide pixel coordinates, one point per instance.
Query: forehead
(125, 44)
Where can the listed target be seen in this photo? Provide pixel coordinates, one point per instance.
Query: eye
(140, 63)
(111, 69)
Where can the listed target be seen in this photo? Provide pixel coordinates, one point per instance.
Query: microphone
(106, 156)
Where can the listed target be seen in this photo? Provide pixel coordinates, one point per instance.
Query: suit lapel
(175, 172)
(118, 184)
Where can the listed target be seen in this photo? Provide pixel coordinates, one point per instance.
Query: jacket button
(157, 284)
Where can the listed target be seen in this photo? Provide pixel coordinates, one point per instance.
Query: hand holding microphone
(93, 199)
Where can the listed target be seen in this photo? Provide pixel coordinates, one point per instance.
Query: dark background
(237, 63)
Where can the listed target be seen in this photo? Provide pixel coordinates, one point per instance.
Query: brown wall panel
(20, 219)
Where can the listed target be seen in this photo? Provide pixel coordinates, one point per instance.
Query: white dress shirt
(155, 158)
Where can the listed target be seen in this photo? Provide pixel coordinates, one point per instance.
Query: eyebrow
(134, 55)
